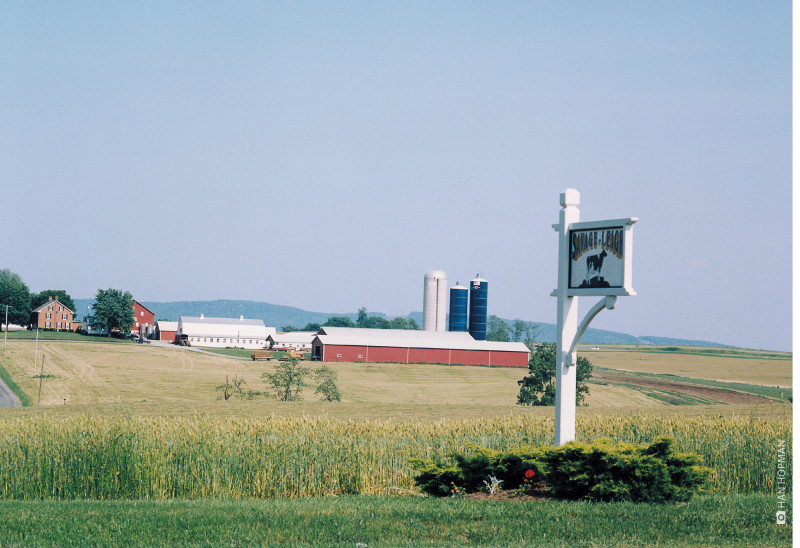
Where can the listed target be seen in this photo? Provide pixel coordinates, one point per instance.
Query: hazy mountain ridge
(279, 316)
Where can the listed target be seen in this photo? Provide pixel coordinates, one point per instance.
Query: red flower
(529, 473)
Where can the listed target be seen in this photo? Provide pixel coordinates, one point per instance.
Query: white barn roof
(224, 327)
(295, 337)
(167, 326)
(407, 338)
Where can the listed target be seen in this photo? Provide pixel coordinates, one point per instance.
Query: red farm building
(143, 318)
(348, 344)
(166, 331)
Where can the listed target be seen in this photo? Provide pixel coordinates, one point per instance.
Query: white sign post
(594, 259)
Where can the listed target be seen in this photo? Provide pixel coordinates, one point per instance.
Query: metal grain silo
(459, 311)
(434, 301)
(478, 296)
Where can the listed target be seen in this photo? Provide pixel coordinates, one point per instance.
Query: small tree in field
(288, 380)
(232, 387)
(327, 385)
(539, 386)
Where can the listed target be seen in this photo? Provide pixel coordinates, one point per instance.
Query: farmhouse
(54, 315)
(299, 340)
(412, 346)
(223, 332)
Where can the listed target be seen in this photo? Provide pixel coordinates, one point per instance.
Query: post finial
(570, 197)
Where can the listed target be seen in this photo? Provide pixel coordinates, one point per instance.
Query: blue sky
(325, 155)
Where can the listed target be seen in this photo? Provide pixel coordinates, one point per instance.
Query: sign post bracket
(608, 302)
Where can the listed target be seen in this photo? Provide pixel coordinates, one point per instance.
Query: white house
(299, 340)
(224, 332)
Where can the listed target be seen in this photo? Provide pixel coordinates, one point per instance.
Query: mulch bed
(535, 493)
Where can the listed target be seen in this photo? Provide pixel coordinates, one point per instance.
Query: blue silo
(478, 295)
(459, 297)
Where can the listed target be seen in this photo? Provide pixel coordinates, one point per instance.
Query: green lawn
(394, 521)
(51, 335)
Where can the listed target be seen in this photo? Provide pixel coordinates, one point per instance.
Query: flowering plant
(493, 485)
(527, 481)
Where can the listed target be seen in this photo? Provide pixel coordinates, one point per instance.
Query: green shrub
(435, 479)
(604, 471)
(601, 471)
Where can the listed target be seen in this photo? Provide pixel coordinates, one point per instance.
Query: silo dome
(434, 301)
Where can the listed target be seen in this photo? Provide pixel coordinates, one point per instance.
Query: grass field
(165, 378)
(739, 520)
(750, 367)
(138, 422)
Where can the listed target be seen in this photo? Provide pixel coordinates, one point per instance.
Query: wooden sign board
(600, 258)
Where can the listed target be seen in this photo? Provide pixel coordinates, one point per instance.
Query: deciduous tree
(497, 330)
(14, 293)
(113, 310)
(288, 379)
(539, 386)
(339, 321)
(327, 384)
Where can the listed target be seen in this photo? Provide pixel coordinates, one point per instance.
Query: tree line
(113, 309)
(363, 320)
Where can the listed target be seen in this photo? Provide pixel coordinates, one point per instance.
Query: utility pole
(5, 335)
(41, 377)
(36, 350)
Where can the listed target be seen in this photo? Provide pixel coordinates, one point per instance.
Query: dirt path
(718, 394)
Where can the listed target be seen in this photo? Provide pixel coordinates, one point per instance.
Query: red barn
(143, 317)
(348, 344)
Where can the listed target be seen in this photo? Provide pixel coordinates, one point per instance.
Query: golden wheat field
(119, 457)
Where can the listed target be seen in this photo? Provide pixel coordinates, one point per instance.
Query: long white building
(299, 340)
(224, 332)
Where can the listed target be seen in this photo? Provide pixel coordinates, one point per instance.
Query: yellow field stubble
(731, 369)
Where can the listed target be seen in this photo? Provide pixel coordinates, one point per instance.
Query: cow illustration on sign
(594, 265)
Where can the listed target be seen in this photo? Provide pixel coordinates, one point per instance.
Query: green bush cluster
(601, 471)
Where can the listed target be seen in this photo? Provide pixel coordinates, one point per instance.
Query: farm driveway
(7, 397)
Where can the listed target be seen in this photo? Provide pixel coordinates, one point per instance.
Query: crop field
(170, 379)
(144, 422)
(751, 367)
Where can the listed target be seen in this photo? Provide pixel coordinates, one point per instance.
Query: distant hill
(279, 316)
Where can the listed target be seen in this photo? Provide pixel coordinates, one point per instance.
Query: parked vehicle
(292, 353)
(262, 355)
